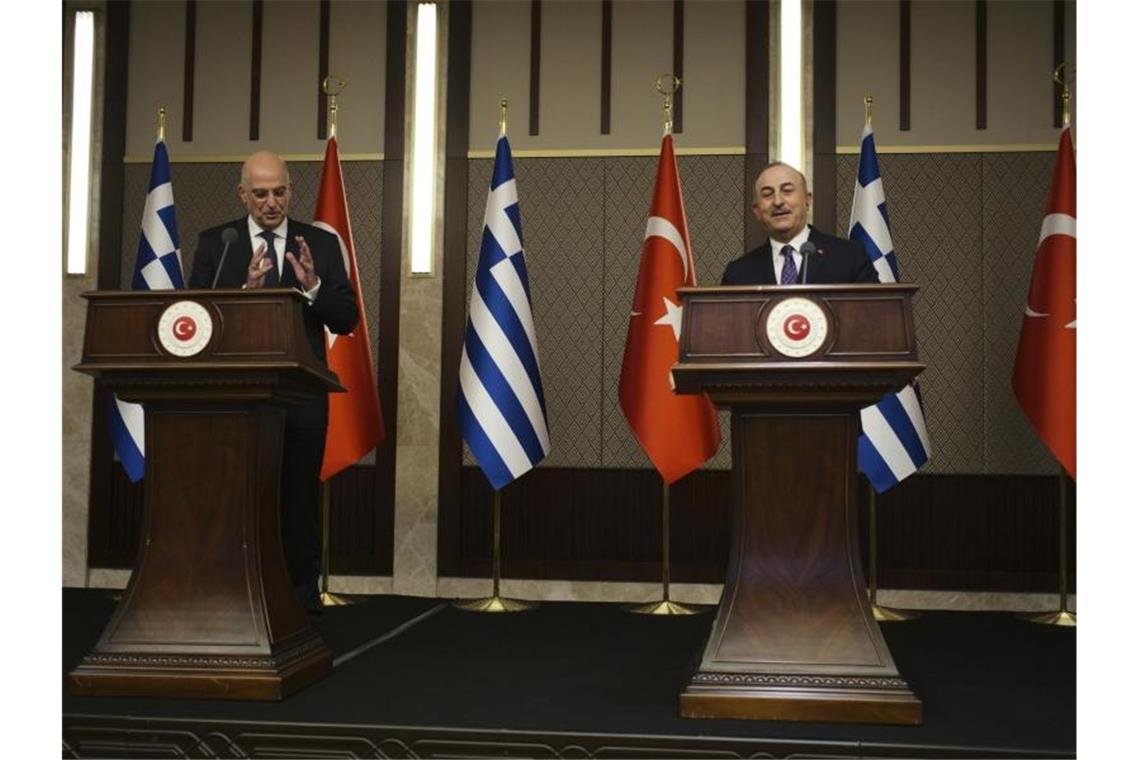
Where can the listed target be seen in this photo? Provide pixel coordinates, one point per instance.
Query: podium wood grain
(209, 611)
(794, 636)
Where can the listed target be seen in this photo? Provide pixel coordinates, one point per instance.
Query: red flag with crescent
(1045, 371)
(677, 432)
(355, 422)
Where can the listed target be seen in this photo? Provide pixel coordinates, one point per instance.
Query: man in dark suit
(268, 249)
(781, 206)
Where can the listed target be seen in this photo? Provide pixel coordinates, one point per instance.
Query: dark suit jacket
(836, 262)
(334, 306)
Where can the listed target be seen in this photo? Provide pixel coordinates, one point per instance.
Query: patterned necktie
(788, 273)
(271, 277)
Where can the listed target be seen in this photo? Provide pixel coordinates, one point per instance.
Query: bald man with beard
(272, 250)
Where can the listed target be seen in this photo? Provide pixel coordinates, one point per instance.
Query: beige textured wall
(289, 77)
(570, 75)
(1019, 70)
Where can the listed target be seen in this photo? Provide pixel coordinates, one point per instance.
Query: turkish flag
(1045, 372)
(677, 432)
(355, 422)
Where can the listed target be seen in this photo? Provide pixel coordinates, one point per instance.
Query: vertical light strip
(791, 87)
(423, 143)
(79, 193)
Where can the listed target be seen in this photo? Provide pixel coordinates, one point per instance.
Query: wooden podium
(210, 611)
(794, 637)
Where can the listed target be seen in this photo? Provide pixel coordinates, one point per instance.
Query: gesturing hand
(259, 265)
(303, 267)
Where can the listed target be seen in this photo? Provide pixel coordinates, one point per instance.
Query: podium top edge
(862, 287)
(188, 293)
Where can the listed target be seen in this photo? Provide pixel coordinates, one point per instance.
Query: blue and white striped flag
(158, 266)
(502, 412)
(893, 443)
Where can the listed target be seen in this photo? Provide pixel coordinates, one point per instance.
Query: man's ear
(807, 199)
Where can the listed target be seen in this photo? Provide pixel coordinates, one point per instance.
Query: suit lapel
(237, 260)
(767, 268)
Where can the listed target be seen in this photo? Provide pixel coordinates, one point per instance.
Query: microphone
(229, 237)
(806, 250)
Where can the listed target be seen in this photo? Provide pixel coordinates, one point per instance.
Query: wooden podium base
(795, 637)
(203, 677)
(801, 698)
(209, 612)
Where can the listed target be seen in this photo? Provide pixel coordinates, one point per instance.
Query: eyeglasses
(261, 194)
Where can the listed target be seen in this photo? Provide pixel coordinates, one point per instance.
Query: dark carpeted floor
(985, 679)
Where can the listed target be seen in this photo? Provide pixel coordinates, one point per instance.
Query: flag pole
(162, 123)
(1061, 616)
(327, 599)
(332, 86)
(494, 602)
(664, 605)
(882, 614)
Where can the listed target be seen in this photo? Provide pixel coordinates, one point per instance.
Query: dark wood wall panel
(188, 71)
(904, 65)
(980, 63)
(756, 90)
(255, 71)
(823, 122)
(943, 532)
(535, 62)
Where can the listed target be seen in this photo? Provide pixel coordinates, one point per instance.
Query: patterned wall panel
(955, 218)
(1013, 200)
(205, 194)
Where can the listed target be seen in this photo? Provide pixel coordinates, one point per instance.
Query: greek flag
(893, 443)
(158, 266)
(502, 412)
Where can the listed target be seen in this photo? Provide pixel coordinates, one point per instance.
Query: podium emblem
(185, 328)
(796, 327)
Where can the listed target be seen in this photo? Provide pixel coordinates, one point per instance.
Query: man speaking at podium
(268, 249)
(795, 253)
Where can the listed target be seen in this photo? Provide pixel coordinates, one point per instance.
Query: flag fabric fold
(501, 405)
(356, 423)
(677, 432)
(1045, 370)
(893, 443)
(158, 266)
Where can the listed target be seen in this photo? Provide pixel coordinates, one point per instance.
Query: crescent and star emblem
(184, 328)
(797, 327)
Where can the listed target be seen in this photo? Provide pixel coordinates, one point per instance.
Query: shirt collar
(797, 242)
(278, 231)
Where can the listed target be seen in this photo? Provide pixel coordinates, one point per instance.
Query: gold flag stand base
(1060, 617)
(666, 607)
(329, 599)
(892, 615)
(494, 604)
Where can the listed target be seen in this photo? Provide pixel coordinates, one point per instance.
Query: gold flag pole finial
(868, 102)
(503, 117)
(332, 86)
(675, 84)
(162, 123)
(1066, 93)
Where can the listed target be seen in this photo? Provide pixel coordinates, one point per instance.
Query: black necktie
(272, 279)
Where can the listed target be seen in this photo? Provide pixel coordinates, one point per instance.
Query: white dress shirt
(278, 251)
